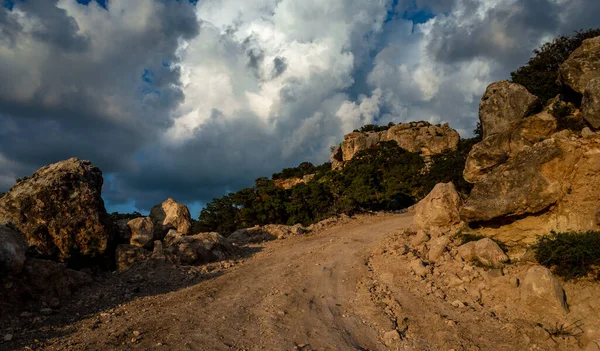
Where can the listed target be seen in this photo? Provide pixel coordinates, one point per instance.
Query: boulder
(503, 104)
(60, 210)
(12, 250)
(590, 105)
(582, 66)
(170, 215)
(171, 236)
(437, 246)
(142, 232)
(414, 137)
(280, 231)
(419, 238)
(122, 230)
(485, 251)
(419, 268)
(542, 294)
(127, 256)
(495, 150)
(199, 248)
(519, 186)
(440, 208)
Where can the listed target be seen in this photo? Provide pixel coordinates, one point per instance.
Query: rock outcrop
(292, 182)
(12, 250)
(503, 104)
(170, 215)
(440, 208)
(60, 210)
(582, 66)
(414, 137)
(531, 178)
(590, 105)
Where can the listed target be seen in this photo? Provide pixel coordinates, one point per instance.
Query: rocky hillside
(534, 174)
(419, 137)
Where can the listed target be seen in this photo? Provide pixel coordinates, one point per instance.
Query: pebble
(8, 337)
(137, 333)
(458, 304)
(26, 315)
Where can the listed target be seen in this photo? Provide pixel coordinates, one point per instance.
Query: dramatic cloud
(194, 99)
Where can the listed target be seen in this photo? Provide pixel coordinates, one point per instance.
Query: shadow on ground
(32, 330)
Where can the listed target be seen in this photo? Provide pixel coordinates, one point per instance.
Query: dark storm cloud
(506, 33)
(109, 84)
(72, 93)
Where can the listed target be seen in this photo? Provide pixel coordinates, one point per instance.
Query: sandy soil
(346, 287)
(296, 293)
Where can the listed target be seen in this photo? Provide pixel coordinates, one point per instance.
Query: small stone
(8, 337)
(514, 282)
(458, 304)
(420, 238)
(391, 337)
(137, 333)
(54, 303)
(26, 315)
(419, 268)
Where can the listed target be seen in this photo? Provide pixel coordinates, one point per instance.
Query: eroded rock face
(128, 255)
(497, 149)
(440, 208)
(414, 137)
(542, 294)
(60, 210)
(549, 186)
(503, 104)
(12, 250)
(485, 251)
(582, 66)
(142, 232)
(170, 215)
(518, 186)
(292, 182)
(590, 105)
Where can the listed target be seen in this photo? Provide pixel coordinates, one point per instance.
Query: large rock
(503, 104)
(199, 248)
(495, 150)
(485, 251)
(142, 232)
(582, 66)
(127, 256)
(12, 250)
(414, 137)
(524, 184)
(542, 294)
(590, 105)
(170, 215)
(551, 186)
(440, 208)
(60, 210)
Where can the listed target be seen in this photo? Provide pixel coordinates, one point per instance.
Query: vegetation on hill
(540, 73)
(374, 128)
(385, 177)
(570, 255)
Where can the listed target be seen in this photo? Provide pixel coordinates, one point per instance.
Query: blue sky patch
(9, 4)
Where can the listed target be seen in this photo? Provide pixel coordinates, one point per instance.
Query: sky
(193, 99)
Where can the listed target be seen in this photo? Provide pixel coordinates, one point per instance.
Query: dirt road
(297, 293)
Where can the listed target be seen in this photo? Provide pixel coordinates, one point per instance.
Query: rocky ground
(350, 285)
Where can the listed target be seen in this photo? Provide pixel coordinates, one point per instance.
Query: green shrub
(541, 71)
(374, 128)
(564, 118)
(570, 255)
